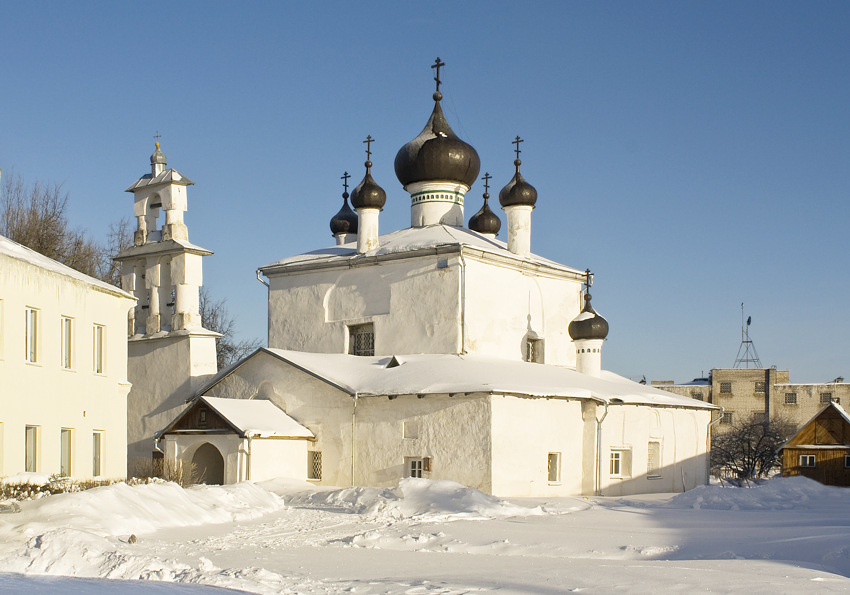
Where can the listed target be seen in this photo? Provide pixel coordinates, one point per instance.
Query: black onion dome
(345, 221)
(158, 156)
(518, 191)
(485, 220)
(437, 154)
(368, 195)
(588, 324)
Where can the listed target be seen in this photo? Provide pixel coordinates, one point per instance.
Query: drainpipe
(249, 434)
(598, 480)
(711, 424)
(353, 440)
(268, 287)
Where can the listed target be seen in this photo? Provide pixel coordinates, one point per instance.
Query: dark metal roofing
(588, 324)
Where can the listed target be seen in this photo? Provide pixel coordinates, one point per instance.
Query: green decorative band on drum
(437, 196)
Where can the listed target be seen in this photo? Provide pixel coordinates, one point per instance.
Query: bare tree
(750, 448)
(215, 317)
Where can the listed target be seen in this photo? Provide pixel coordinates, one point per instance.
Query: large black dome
(588, 324)
(345, 221)
(518, 191)
(368, 195)
(485, 220)
(437, 154)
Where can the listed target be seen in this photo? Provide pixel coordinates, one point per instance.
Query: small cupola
(485, 221)
(588, 331)
(517, 199)
(368, 200)
(437, 168)
(344, 223)
(157, 161)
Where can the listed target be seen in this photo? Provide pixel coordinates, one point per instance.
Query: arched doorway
(209, 465)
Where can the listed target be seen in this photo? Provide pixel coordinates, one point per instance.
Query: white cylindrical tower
(368, 200)
(588, 331)
(517, 200)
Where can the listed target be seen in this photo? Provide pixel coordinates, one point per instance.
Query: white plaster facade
(63, 368)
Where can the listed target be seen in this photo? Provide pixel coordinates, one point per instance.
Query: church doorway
(209, 465)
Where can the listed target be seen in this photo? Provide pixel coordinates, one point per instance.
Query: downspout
(462, 349)
(711, 424)
(249, 434)
(597, 479)
(268, 322)
(353, 441)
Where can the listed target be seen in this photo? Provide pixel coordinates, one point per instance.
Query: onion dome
(485, 220)
(158, 157)
(518, 191)
(368, 195)
(437, 153)
(345, 221)
(588, 324)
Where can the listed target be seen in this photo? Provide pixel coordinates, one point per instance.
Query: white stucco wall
(165, 372)
(44, 394)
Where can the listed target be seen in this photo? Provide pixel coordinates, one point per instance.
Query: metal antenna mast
(747, 353)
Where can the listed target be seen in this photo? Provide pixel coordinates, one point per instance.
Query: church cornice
(162, 248)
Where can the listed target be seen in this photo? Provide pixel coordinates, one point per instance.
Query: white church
(436, 351)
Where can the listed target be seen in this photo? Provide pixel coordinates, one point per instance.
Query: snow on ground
(422, 537)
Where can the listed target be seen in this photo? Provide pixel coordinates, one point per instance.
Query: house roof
(423, 374)
(412, 240)
(21, 252)
(832, 404)
(169, 176)
(257, 418)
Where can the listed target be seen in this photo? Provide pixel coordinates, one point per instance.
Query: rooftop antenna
(747, 353)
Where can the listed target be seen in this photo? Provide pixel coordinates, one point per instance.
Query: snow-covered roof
(450, 374)
(20, 252)
(169, 176)
(411, 240)
(257, 417)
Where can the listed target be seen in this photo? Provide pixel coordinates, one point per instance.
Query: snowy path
(435, 537)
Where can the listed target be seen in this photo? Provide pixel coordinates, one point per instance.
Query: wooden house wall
(829, 466)
(827, 428)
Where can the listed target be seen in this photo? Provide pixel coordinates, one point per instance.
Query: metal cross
(517, 142)
(486, 179)
(157, 136)
(437, 65)
(588, 278)
(345, 177)
(369, 140)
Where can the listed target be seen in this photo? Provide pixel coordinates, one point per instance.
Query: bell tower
(170, 353)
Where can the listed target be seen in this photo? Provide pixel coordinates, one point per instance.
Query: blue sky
(694, 155)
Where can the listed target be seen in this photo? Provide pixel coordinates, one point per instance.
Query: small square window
(314, 464)
(807, 460)
(760, 387)
(413, 466)
(621, 462)
(825, 398)
(554, 467)
(726, 388)
(361, 339)
(695, 394)
(411, 429)
(790, 398)
(727, 418)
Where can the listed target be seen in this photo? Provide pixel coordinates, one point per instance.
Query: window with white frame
(807, 460)
(790, 398)
(98, 355)
(653, 460)
(66, 342)
(65, 441)
(96, 453)
(314, 464)
(361, 339)
(621, 462)
(31, 449)
(31, 341)
(413, 466)
(554, 467)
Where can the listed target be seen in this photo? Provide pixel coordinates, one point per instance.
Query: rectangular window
(727, 418)
(726, 388)
(314, 464)
(621, 462)
(361, 339)
(759, 387)
(96, 452)
(790, 398)
(411, 429)
(31, 462)
(66, 342)
(97, 348)
(825, 398)
(413, 466)
(534, 350)
(695, 394)
(31, 335)
(807, 460)
(653, 460)
(554, 467)
(847, 461)
(65, 454)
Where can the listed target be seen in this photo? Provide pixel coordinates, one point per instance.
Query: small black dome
(368, 195)
(157, 156)
(518, 191)
(588, 324)
(485, 220)
(345, 221)
(437, 154)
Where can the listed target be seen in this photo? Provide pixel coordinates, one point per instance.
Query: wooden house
(821, 449)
